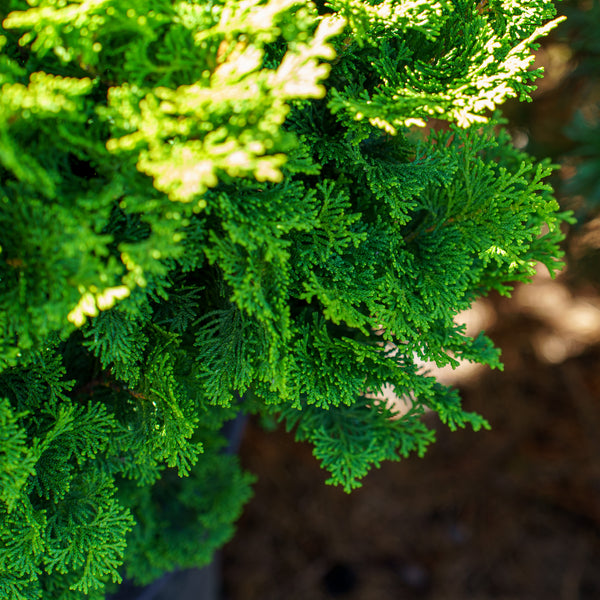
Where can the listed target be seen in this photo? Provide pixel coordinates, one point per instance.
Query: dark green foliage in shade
(582, 160)
(583, 131)
(267, 207)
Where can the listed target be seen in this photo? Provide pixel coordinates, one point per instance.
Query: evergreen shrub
(210, 207)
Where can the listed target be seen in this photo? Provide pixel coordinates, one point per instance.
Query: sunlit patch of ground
(572, 323)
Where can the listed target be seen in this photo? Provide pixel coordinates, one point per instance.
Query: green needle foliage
(215, 206)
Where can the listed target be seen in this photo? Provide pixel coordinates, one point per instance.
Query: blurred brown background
(511, 514)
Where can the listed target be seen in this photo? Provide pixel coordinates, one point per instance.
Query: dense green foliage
(209, 207)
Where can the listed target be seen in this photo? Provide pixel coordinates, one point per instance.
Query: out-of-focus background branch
(510, 514)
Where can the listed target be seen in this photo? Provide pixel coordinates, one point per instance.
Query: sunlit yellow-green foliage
(481, 57)
(228, 115)
(210, 207)
(229, 120)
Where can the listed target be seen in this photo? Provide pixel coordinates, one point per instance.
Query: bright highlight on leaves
(235, 145)
(90, 303)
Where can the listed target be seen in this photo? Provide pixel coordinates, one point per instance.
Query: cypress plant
(210, 207)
